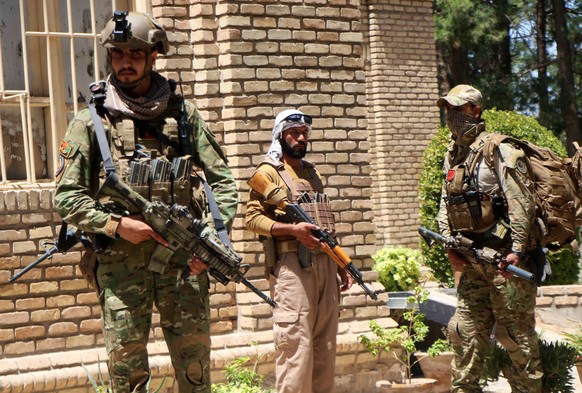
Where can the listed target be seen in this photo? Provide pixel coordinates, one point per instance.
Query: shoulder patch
(510, 155)
(68, 149)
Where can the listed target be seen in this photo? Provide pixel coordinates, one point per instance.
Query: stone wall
(243, 62)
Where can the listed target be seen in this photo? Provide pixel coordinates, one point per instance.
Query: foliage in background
(494, 46)
(398, 268)
(557, 360)
(503, 122)
(575, 340)
(565, 266)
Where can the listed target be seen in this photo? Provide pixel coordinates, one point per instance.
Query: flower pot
(579, 369)
(399, 300)
(417, 385)
(437, 367)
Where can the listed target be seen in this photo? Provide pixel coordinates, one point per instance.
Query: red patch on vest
(450, 175)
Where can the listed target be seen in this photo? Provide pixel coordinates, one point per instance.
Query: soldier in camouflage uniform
(141, 113)
(303, 278)
(494, 206)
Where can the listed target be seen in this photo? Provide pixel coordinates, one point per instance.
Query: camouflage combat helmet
(134, 30)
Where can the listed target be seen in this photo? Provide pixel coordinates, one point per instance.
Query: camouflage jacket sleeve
(517, 187)
(260, 216)
(209, 156)
(442, 217)
(77, 179)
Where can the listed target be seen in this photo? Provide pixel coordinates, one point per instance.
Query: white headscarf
(275, 151)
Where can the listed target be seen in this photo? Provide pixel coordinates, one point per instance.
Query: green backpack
(557, 184)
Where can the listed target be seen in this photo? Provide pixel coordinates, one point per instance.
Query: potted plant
(575, 340)
(405, 337)
(436, 363)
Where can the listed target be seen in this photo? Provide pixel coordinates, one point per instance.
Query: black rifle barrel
(516, 271)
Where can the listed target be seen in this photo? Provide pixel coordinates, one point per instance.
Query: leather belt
(287, 246)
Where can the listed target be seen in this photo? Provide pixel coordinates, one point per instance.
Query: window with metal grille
(49, 54)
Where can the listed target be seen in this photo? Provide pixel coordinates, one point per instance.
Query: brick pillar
(401, 86)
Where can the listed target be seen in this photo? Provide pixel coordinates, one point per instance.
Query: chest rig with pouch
(309, 194)
(150, 156)
(468, 208)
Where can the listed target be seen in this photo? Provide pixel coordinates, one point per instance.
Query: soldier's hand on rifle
(196, 266)
(301, 231)
(510, 259)
(135, 230)
(455, 258)
(347, 280)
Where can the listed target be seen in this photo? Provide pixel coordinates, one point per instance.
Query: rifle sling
(102, 140)
(216, 216)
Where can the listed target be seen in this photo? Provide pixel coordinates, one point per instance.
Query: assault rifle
(182, 231)
(486, 255)
(66, 240)
(263, 186)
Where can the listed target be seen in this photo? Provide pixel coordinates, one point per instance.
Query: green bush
(398, 268)
(565, 267)
(503, 122)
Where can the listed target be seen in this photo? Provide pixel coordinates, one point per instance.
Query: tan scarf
(148, 107)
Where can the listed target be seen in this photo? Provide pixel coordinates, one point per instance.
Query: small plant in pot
(436, 363)
(406, 337)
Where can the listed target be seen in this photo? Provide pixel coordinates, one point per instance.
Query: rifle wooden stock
(271, 192)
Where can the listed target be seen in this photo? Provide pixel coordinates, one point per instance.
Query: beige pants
(305, 324)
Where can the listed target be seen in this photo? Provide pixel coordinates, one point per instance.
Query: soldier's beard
(287, 149)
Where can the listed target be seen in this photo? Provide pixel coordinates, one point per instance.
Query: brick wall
(401, 84)
(243, 62)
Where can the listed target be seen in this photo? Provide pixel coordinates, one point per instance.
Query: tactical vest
(309, 193)
(468, 208)
(151, 167)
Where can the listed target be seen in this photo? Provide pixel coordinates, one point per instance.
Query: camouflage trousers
(486, 300)
(128, 291)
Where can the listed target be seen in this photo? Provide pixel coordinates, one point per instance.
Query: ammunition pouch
(270, 254)
(459, 214)
(88, 266)
(161, 191)
(470, 211)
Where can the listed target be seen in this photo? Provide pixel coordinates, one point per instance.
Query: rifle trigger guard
(44, 246)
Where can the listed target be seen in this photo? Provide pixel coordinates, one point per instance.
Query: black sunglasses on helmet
(299, 118)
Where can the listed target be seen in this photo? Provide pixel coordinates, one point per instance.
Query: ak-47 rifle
(66, 240)
(182, 231)
(485, 256)
(271, 192)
